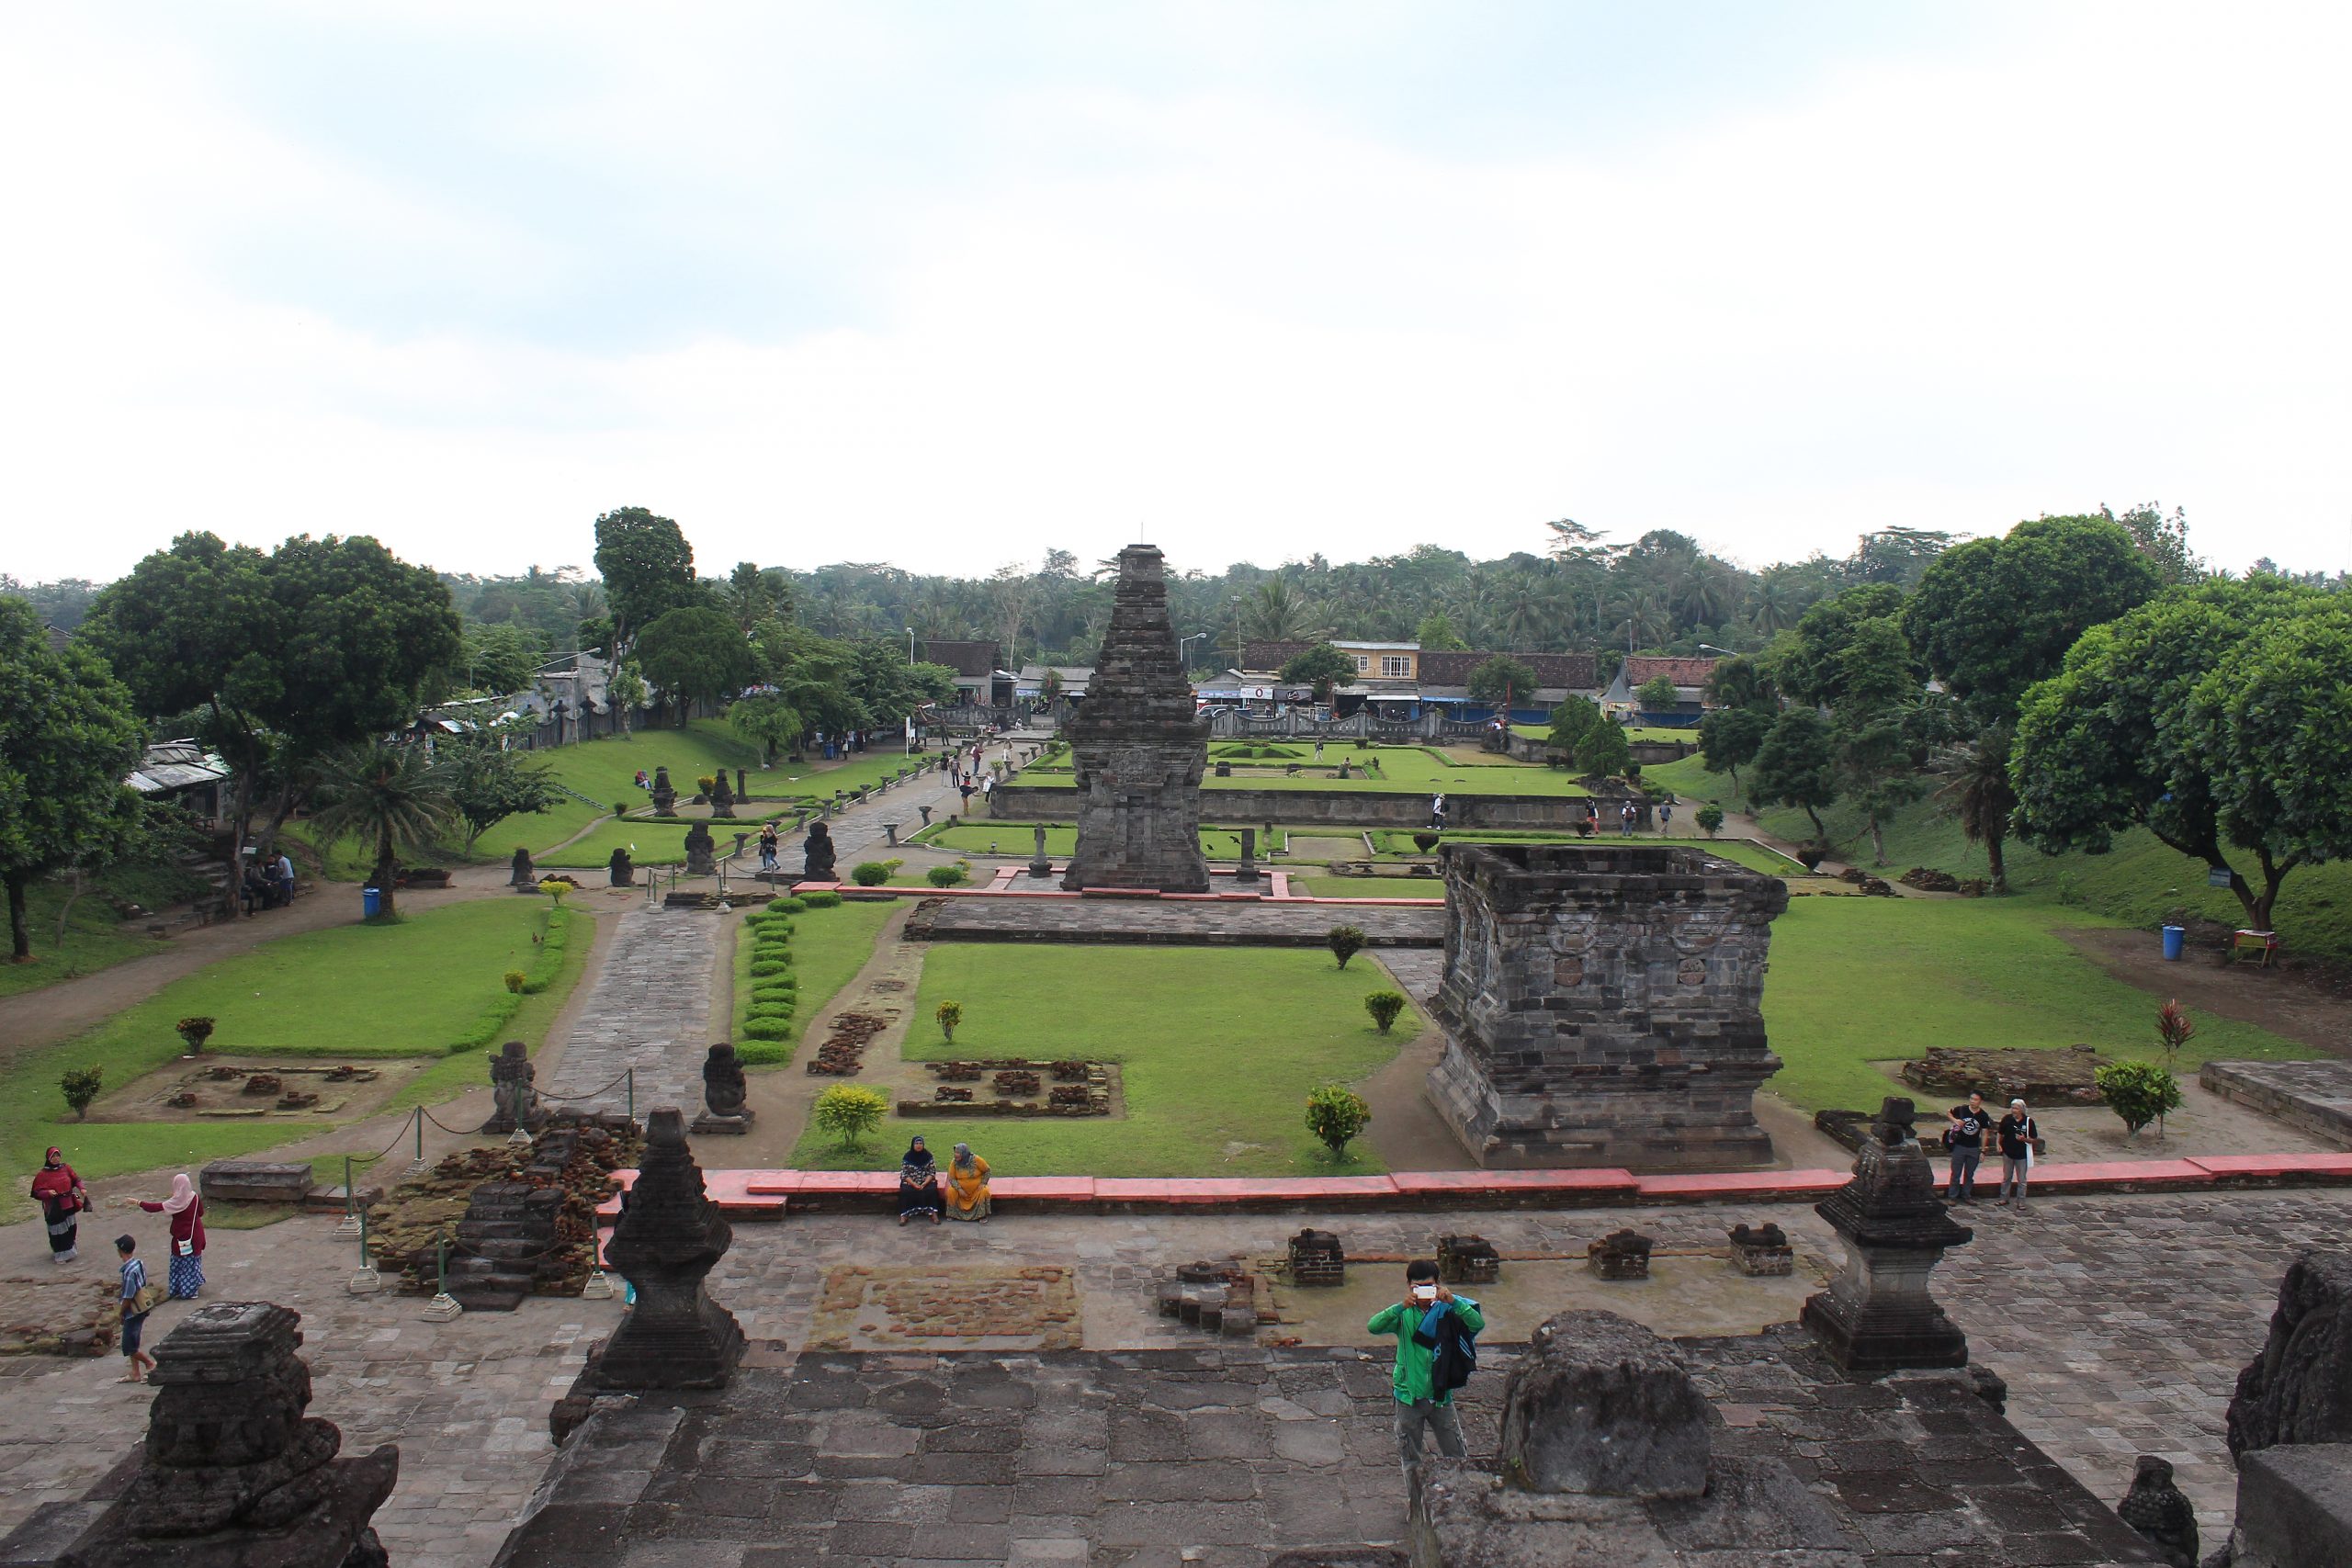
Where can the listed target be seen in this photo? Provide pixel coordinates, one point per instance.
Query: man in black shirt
(1966, 1140)
(2018, 1135)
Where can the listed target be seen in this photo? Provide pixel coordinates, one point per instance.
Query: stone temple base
(1645, 1119)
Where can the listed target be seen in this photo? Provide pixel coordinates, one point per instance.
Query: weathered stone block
(1600, 1404)
(2299, 1390)
(2294, 1507)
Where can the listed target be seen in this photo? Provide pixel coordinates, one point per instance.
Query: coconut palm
(1276, 612)
(1978, 793)
(389, 794)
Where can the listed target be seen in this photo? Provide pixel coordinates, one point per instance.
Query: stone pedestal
(702, 854)
(513, 1092)
(1600, 1405)
(1247, 872)
(233, 1474)
(1762, 1254)
(1040, 865)
(1877, 1315)
(1138, 747)
(671, 1236)
(723, 1092)
(1603, 1006)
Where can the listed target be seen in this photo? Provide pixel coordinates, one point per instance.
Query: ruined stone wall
(1604, 1007)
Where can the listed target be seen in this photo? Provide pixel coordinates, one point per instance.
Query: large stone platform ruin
(1604, 1008)
(1139, 748)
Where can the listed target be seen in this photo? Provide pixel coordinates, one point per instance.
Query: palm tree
(1978, 794)
(390, 793)
(1278, 612)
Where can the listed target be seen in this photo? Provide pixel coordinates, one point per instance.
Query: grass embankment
(1217, 1048)
(1404, 770)
(1398, 842)
(432, 985)
(95, 939)
(1968, 972)
(827, 947)
(2141, 882)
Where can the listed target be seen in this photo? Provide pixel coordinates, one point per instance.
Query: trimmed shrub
(763, 967)
(848, 1111)
(2140, 1092)
(1425, 843)
(870, 873)
(1335, 1114)
(196, 1032)
(1345, 943)
(950, 1014)
(1385, 1006)
(946, 875)
(768, 1029)
(515, 979)
(762, 1053)
(820, 900)
(775, 986)
(786, 905)
(770, 1010)
(1710, 818)
(81, 1086)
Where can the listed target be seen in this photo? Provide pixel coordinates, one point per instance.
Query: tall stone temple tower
(1139, 748)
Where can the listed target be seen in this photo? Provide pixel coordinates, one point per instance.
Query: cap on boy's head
(1421, 1269)
(126, 1244)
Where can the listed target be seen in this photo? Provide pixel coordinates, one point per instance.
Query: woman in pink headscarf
(186, 1211)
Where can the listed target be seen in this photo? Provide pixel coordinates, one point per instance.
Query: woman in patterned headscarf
(186, 1211)
(968, 1185)
(61, 1198)
(918, 1184)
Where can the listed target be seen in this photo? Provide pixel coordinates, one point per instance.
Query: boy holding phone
(1423, 1323)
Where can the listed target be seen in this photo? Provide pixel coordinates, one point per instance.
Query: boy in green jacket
(1416, 1321)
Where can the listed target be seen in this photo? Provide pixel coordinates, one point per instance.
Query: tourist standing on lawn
(138, 1300)
(61, 1198)
(186, 1211)
(918, 1184)
(1965, 1139)
(2018, 1135)
(967, 1186)
(1428, 1324)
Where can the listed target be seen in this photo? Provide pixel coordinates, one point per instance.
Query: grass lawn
(803, 781)
(657, 843)
(1404, 770)
(422, 987)
(828, 946)
(1968, 972)
(1370, 886)
(1218, 1047)
(94, 940)
(1061, 838)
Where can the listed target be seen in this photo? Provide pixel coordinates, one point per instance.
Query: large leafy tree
(1993, 617)
(2127, 734)
(694, 655)
(391, 796)
(1572, 721)
(67, 739)
(1797, 765)
(1501, 679)
(488, 784)
(1730, 737)
(1603, 752)
(1876, 685)
(1320, 667)
(768, 718)
(319, 645)
(649, 570)
(1810, 664)
(499, 658)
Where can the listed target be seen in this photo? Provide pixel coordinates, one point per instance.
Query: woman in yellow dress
(967, 1186)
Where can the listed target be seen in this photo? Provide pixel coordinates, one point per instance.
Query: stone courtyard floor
(2119, 1324)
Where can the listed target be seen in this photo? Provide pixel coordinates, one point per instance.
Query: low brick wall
(1316, 807)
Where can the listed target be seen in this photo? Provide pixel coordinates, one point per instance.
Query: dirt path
(32, 1019)
(2276, 1000)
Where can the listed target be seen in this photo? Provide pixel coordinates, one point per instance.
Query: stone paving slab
(1214, 922)
(647, 1010)
(2314, 1096)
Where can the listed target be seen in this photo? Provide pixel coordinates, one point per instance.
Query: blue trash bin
(2176, 938)
(371, 904)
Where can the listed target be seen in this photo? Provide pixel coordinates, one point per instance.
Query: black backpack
(1456, 1355)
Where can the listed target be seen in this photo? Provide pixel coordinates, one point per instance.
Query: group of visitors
(769, 846)
(266, 885)
(924, 1194)
(64, 1198)
(1966, 1129)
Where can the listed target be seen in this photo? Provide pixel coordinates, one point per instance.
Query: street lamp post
(911, 647)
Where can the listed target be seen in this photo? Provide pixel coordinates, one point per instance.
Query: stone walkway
(647, 1009)
(2119, 1324)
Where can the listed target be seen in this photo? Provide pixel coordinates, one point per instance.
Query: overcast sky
(948, 285)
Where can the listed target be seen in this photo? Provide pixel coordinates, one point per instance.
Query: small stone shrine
(525, 876)
(1138, 746)
(817, 851)
(1467, 1261)
(512, 1091)
(722, 799)
(1217, 1297)
(1876, 1315)
(1316, 1258)
(1762, 1253)
(233, 1474)
(665, 799)
(621, 869)
(723, 1089)
(1247, 869)
(702, 854)
(670, 1236)
(1603, 1006)
(1620, 1255)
